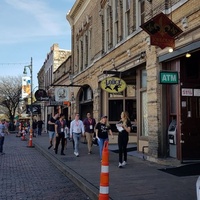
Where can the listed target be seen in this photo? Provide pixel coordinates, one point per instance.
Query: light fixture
(170, 50)
(188, 55)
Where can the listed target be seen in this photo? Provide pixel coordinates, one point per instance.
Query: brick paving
(25, 174)
(139, 180)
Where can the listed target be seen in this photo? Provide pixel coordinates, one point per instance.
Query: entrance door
(190, 129)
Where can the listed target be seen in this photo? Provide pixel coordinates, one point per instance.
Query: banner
(26, 86)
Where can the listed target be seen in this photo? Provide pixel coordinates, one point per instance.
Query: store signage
(41, 95)
(36, 109)
(168, 77)
(113, 85)
(187, 92)
(61, 94)
(162, 31)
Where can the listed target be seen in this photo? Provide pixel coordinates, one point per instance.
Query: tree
(10, 94)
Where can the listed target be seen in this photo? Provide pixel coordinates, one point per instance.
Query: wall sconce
(187, 55)
(129, 52)
(170, 50)
(184, 22)
(142, 54)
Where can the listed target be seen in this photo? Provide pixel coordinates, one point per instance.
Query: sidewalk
(138, 180)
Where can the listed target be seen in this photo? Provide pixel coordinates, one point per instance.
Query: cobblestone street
(26, 174)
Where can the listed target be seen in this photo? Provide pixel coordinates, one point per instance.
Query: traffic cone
(30, 142)
(104, 178)
(23, 138)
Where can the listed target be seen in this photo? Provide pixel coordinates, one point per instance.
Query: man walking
(89, 124)
(76, 129)
(51, 130)
(3, 130)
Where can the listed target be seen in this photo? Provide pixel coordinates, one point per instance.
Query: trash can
(172, 139)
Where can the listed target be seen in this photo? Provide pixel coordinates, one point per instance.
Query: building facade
(54, 59)
(107, 41)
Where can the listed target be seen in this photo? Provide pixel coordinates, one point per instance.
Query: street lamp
(31, 106)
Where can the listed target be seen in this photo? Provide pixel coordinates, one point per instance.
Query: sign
(168, 77)
(162, 31)
(61, 94)
(41, 95)
(113, 85)
(26, 86)
(35, 108)
(187, 92)
(197, 92)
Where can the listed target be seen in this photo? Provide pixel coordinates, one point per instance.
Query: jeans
(76, 138)
(39, 131)
(122, 144)
(101, 144)
(1, 144)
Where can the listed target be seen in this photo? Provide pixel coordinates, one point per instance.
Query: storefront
(182, 102)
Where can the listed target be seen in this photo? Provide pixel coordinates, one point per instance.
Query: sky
(28, 28)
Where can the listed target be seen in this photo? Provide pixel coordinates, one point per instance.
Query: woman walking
(124, 128)
(102, 130)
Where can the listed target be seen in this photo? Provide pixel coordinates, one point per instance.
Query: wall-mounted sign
(26, 86)
(187, 92)
(168, 77)
(61, 94)
(162, 31)
(113, 84)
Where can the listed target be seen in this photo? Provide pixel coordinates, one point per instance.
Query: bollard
(104, 178)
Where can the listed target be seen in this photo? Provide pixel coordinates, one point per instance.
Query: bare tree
(10, 94)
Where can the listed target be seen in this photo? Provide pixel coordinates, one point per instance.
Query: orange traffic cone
(30, 142)
(23, 138)
(104, 178)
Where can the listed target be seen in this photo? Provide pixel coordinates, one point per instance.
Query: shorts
(51, 134)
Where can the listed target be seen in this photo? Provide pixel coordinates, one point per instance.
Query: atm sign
(168, 77)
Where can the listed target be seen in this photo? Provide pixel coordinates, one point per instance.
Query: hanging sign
(61, 94)
(162, 31)
(113, 85)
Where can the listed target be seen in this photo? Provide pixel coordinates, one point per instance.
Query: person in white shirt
(76, 129)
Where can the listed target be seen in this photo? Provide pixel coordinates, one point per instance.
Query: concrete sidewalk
(138, 180)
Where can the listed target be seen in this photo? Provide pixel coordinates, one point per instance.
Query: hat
(104, 116)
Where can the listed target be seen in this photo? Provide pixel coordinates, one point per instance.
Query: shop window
(114, 114)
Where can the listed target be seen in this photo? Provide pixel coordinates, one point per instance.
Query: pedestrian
(39, 126)
(3, 131)
(76, 129)
(60, 135)
(102, 130)
(51, 130)
(89, 124)
(34, 127)
(124, 128)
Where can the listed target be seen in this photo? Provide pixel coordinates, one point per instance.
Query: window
(127, 18)
(140, 12)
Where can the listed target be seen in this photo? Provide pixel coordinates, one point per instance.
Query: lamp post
(31, 106)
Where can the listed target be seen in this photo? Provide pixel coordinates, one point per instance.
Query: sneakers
(50, 146)
(124, 163)
(89, 152)
(2, 153)
(76, 154)
(120, 165)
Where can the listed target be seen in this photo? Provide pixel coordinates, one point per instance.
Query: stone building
(54, 59)
(108, 42)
